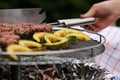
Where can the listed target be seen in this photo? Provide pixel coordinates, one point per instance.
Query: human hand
(107, 12)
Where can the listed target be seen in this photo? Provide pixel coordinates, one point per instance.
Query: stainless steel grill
(80, 51)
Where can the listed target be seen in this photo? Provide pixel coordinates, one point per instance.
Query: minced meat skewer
(11, 33)
(28, 28)
(25, 28)
(7, 38)
(44, 27)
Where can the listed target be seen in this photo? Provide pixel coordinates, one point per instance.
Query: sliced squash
(39, 36)
(71, 32)
(64, 32)
(54, 42)
(80, 36)
(16, 48)
(34, 46)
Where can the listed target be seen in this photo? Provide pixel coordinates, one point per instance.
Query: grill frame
(82, 51)
(54, 57)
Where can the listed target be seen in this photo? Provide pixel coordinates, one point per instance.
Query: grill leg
(15, 72)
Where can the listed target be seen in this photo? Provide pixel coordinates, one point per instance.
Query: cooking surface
(82, 50)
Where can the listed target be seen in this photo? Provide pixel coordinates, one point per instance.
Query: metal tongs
(75, 21)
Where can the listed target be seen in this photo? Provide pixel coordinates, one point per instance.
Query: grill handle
(75, 21)
(78, 21)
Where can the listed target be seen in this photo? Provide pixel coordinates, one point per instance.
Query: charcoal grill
(80, 51)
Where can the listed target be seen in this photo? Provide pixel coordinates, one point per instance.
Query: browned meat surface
(11, 33)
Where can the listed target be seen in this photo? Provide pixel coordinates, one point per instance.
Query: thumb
(90, 13)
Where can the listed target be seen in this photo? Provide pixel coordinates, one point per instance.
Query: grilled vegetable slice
(39, 36)
(35, 46)
(64, 32)
(71, 32)
(54, 42)
(80, 36)
(16, 48)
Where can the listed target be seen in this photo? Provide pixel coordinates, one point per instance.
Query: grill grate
(80, 51)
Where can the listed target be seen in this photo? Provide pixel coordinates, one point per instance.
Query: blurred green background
(55, 9)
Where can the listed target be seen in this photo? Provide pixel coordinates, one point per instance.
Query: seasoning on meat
(11, 33)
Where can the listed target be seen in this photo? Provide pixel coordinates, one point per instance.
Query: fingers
(92, 27)
(90, 13)
(89, 27)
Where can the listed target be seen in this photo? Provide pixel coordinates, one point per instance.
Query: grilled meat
(11, 33)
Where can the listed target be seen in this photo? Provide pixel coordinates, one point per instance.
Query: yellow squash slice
(80, 36)
(16, 48)
(71, 32)
(34, 46)
(39, 36)
(64, 32)
(54, 42)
